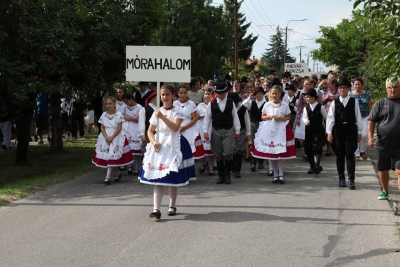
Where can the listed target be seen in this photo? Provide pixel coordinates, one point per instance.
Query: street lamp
(284, 53)
(301, 46)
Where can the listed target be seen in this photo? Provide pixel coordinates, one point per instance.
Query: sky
(266, 15)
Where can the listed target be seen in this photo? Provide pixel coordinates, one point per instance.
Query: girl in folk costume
(131, 129)
(274, 138)
(112, 148)
(169, 161)
(121, 107)
(209, 159)
(245, 135)
(189, 110)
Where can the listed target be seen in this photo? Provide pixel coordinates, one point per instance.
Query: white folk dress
(186, 109)
(114, 154)
(131, 129)
(202, 111)
(274, 139)
(173, 164)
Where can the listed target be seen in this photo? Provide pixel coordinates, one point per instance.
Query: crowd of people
(223, 122)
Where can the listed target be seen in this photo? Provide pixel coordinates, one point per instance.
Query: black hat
(276, 81)
(243, 79)
(311, 92)
(143, 83)
(290, 87)
(235, 97)
(221, 86)
(258, 90)
(344, 81)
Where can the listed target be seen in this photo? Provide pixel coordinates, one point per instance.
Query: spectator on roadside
(365, 103)
(5, 124)
(385, 113)
(89, 118)
(77, 113)
(42, 115)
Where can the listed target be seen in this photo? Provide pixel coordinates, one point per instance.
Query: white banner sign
(297, 68)
(158, 63)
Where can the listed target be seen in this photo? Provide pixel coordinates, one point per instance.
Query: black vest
(293, 102)
(141, 100)
(255, 112)
(149, 112)
(222, 120)
(345, 115)
(241, 113)
(315, 118)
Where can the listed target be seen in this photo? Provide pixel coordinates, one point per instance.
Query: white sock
(138, 162)
(280, 166)
(109, 171)
(173, 194)
(157, 197)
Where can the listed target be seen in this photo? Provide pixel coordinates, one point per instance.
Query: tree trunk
(56, 124)
(23, 123)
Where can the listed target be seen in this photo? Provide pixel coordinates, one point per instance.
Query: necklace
(168, 108)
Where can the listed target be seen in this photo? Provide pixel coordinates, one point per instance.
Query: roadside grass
(44, 168)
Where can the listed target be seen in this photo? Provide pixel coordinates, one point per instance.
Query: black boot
(238, 166)
(228, 165)
(261, 164)
(252, 164)
(351, 166)
(340, 170)
(221, 170)
(311, 170)
(318, 167)
(233, 168)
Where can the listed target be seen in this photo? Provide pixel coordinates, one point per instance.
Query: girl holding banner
(168, 161)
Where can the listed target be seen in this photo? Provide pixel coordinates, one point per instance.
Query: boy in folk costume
(144, 118)
(255, 107)
(344, 127)
(240, 144)
(313, 116)
(226, 128)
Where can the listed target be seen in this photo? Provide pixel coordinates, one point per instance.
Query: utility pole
(313, 65)
(308, 59)
(284, 52)
(236, 40)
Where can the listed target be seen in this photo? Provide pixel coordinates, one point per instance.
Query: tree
(197, 24)
(245, 41)
(274, 55)
(381, 22)
(344, 46)
(63, 45)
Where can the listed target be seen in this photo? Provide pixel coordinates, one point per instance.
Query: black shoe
(311, 170)
(352, 185)
(342, 183)
(214, 167)
(36, 138)
(253, 166)
(118, 177)
(130, 169)
(281, 181)
(237, 174)
(203, 168)
(49, 139)
(271, 173)
(227, 179)
(136, 172)
(298, 145)
(220, 180)
(318, 170)
(155, 214)
(275, 180)
(305, 158)
(122, 168)
(171, 211)
(210, 172)
(106, 182)
(261, 164)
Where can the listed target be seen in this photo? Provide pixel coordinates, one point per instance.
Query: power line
(265, 13)
(258, 11)
(250, 11)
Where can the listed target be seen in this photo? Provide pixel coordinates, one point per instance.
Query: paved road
(309, 221)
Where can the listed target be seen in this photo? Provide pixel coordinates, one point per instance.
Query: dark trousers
(313, 143)
(75, 121)
(344, 145)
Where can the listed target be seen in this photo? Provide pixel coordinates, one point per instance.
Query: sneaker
(383, 195)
